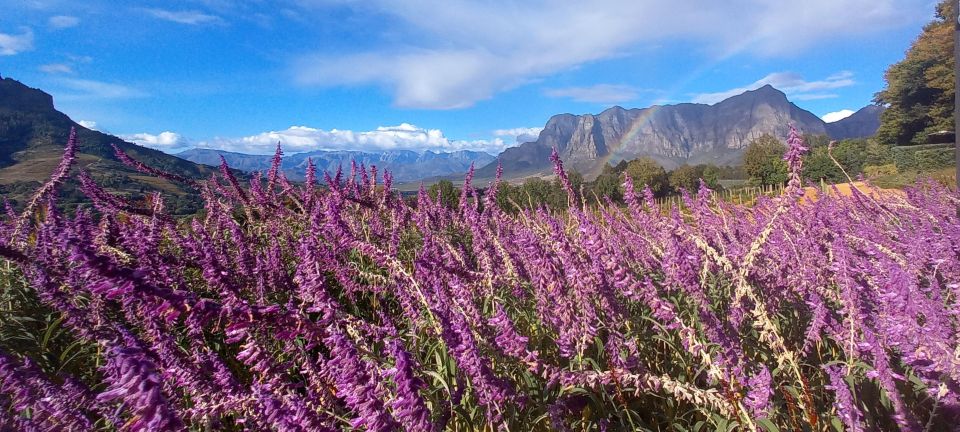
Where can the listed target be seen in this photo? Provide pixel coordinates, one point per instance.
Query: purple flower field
(341, 306)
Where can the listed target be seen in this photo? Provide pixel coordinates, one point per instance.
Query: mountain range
(404, 165)
(672, 134)
(33, 133)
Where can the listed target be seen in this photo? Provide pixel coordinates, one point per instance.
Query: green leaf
(768, 425)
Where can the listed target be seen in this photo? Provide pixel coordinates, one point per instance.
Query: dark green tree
(711, 176)
(537, 192)
(920, 88)
(449, 194)
(608, 184)
(686, 177)
(853, 155)
(763, 161)
(647, 172)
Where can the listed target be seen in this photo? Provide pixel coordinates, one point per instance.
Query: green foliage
(684, 177)
(448, 193)
(688, 177)
(853, 155)
(815, 140)
(31, 329)
(535, 193)
(927, 160)
(880, 170)
(920, 88)
(923, 157)
(763, 161)
(608, 184)
(646, 172)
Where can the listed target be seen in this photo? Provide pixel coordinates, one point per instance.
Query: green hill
(32, 137)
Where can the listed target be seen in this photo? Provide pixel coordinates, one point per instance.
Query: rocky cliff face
(670, 134)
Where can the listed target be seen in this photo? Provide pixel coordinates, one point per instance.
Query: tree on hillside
(647, 172)
(763, 161)
(920, 88)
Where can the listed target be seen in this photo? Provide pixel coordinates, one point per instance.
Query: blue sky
(432, 74)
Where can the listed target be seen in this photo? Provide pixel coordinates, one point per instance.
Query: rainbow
(645, 117)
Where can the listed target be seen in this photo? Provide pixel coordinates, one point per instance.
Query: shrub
(880, 170)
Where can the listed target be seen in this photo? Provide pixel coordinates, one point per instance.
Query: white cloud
(520, 135)
(402, 137)
(63, 21)
(600, 93)
(90, 89)
(56, 68)
(191, 17)
(79, 58)
(794, 85)
(457, 52)
(837, 115)
(89, 124)
(12, 44)
(166, 141)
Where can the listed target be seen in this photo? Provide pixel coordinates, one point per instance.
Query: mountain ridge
(404, 165)
(672, 135)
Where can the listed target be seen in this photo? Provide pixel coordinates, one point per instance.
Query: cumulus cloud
(56, 68)
(12, 44)
(90, 89)
(600, 93)
(457, 52)
(63, 21)
(166, 141)
(794, 85)
(520, 135)
(401, 137)
(89, 124)
(191, 17)
(837, 115)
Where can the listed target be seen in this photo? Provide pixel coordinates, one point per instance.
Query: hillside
(670, 134)
(33, 134)
(864, 122)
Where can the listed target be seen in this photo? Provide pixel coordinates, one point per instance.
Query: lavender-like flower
(136, 382)
(146, 169)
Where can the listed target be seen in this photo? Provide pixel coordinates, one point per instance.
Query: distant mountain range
(32, 138)
(404, 165)
(672, 134)
(33, 133)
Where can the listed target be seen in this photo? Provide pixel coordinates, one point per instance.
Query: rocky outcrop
(671, 134)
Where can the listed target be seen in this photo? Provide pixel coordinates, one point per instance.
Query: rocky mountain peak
(671, 134)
